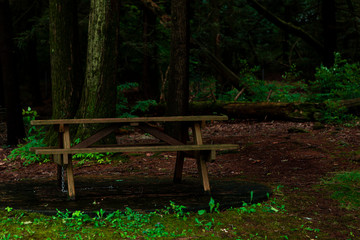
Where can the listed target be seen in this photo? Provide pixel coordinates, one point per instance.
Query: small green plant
(178, 210)
(214, 207)
(92, 157)
(8, 209)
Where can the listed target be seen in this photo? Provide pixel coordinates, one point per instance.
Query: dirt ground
(295, 155)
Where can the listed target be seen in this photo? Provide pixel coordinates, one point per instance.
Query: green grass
(346, 188)
(267, 220)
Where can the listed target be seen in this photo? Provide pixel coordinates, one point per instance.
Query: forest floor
(297, 156)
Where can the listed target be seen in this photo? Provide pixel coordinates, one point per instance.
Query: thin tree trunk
(14, 121)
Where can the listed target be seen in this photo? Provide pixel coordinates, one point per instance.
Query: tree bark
(66, 74)
(99, 92)
(14, 121)
(66, 79)
(178, 89)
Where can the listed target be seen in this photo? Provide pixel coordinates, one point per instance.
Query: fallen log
(264, 110)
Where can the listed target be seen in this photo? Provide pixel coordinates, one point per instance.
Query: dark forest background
(242, 51)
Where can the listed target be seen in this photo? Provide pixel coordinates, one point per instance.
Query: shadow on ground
(140, 193)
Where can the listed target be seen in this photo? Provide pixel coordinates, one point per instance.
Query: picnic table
(195, 149)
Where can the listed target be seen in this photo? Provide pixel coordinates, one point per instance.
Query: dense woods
(88, 59)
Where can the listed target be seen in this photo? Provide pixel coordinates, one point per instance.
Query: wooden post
(67, 160)
(201, 159)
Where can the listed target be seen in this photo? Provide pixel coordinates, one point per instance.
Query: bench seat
(171, 148)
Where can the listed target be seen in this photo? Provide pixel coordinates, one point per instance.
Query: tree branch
(288, 27)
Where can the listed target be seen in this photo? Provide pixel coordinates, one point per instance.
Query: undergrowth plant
(34, 138)
(340, 81)
(122, 106)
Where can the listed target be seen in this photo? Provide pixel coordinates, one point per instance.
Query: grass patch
(346, 188)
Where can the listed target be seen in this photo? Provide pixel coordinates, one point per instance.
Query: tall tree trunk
(178, 89)
(14, 121)
(66, 77)
(65, 65)
(328, 15)
(99, 93)
(150, 85)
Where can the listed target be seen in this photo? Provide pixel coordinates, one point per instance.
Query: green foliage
(335, 83)
(35, 138)
(335, 112)
(340, 81)
(122, 106)
(99, 158)
(345, 187)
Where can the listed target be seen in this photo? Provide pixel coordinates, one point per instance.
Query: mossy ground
(283, 216)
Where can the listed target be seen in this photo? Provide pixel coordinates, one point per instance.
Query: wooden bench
(196, 149)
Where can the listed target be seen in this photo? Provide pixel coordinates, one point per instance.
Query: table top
(131, 120)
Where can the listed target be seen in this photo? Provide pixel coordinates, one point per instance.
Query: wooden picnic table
(196, 149)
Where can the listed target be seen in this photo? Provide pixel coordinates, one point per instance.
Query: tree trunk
(14, 121)
(99, 93)
(150, 85)
(66, 77)
(65, 65)
(178, 88)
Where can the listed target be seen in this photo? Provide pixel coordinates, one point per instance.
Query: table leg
(180, 157)
(201, 158)
(70, 179)
(203, 170)
(58, 157)
(67, 160)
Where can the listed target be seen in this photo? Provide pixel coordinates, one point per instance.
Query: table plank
(131, 120)
(139, 149)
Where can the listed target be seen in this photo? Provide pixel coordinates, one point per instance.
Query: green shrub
(122, 106)
(34, 138)
(340, 81)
